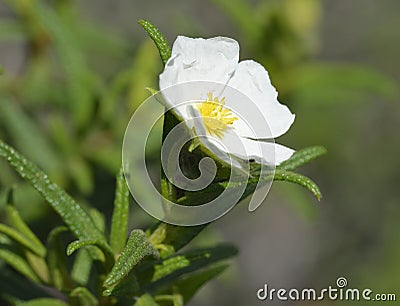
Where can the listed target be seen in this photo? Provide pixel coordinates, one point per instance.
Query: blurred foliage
(63, 109)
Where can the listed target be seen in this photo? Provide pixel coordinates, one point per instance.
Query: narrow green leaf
(302, 157)
(159, 234)
(152, 91)
(16, 221)
(17, 262)
(119, 223)
(128, 286)
(175, 237)
(22, 240)
(82, 267)
(166, 272)
(282, 175)
(56, 259)
(190, 284)
(43, 302)
(98, 218)
(146, 300)
(39, 266)
(192, 260)
(78, 221)
(83, 297)
(75, 245)
(168, 190)
(19, 287)
(161, 42)
(279, 175)
(137, 248)
(176, 299)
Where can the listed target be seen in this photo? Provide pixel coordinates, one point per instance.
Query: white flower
(226, 118)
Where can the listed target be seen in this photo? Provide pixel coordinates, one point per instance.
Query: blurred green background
(75, 71)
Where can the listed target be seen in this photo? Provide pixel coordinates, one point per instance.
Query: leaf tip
(10, 196)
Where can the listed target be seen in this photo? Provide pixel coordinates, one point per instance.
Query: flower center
(216, 117)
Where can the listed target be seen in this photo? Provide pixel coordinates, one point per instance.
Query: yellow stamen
(216, 117)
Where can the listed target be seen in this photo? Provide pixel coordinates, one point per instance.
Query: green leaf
(119, 223)
(128, 286)
(43, 302)
(166, 272)
(107, 251)
(17, 262)
(56, 260)
(98, 218)
(152, 91)
(176, 299)
(161, 42)
(302, 157)
(16, 221)
(137, 248)
(282, 175)
(146, 300)
(22, 240)
(168, 190)
(176, 237)
(83, 297)
(39, 266)
(77, 219)
(82, 266)
(188, 285)
(18, 287)
(279, 175)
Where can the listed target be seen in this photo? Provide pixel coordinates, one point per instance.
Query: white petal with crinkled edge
(252, 79)
(181, 95)
(268, 153)
(199, 59)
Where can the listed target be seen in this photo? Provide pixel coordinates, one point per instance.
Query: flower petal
(182, 95)
(198, 59)
(252, 79)
(212, 143)
(268, 153)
